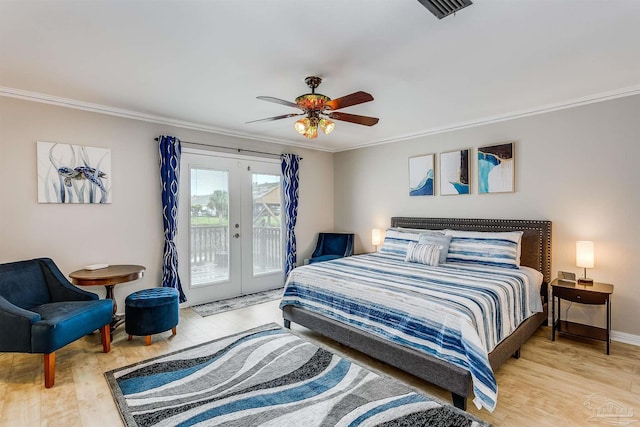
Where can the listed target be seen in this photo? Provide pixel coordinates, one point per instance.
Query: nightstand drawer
(579, 295)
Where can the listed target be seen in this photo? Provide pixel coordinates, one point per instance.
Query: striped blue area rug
(269, 377)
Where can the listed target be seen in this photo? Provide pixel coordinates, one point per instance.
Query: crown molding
(136, 115)
(577, 102)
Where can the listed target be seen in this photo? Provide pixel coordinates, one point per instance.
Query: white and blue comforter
(455, 312)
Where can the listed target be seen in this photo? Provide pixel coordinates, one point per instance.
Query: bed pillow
(423, 254)
(437, 239)
(397, 239)
(498, 249)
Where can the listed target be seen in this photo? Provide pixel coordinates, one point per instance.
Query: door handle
(236, 235)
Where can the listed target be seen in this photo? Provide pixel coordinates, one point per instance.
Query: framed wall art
(421, 175)
(454, 172)
(496, 169)
(73, 173)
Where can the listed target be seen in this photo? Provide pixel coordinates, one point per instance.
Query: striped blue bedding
(456, 312)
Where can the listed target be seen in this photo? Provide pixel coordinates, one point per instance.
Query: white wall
(579, 168)
(575, 167)
(128, 231)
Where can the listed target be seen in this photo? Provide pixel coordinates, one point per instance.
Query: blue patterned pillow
(497, 249)
(396, 240)
(437, 239)
(423, 254)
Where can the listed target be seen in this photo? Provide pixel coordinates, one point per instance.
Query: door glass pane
(209, 226)
(267, 236)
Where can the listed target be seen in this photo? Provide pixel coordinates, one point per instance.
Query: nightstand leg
(553, 318)
(608, 323)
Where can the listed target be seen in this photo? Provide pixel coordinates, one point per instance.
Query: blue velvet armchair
(332, 246)
(41, 312)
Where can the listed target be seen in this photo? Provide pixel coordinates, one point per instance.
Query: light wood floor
(547, 386)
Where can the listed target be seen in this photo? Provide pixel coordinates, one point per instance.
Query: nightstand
(598, 293)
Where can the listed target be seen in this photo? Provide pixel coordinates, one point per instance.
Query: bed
(437, 367)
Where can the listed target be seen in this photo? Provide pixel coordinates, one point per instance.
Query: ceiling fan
(319, 108)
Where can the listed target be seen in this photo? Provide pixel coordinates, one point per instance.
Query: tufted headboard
(536, 240)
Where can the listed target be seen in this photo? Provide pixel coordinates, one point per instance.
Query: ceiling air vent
(442, 8)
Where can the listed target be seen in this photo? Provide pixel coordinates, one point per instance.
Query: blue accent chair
(332, 246)
(41, 312)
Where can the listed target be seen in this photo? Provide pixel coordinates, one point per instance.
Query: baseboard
(625, 338)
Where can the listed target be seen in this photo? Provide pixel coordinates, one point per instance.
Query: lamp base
(585, 281)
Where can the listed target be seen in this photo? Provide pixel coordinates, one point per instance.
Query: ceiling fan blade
(354, 118)
(270, 119)
(278, 101)
(349, 100)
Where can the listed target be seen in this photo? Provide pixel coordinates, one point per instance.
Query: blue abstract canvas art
(73, 173)
(495, 168)
(421, 175)
(454, 172)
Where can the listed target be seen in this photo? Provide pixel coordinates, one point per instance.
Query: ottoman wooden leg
(130, 337)
(174, 330)
(147, 340)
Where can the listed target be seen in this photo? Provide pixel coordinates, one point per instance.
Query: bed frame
(536, 253)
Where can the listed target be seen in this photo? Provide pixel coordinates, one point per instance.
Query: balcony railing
(267, 249)
(210, 246)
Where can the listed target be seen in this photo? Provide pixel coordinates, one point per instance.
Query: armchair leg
(105, 332)
(49, 369)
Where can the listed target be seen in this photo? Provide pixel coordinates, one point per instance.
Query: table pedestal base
(118, 319)
(109, 277)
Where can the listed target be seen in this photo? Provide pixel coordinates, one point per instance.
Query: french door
(230, 226)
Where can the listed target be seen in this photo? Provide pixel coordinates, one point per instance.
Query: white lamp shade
(584, 254)
(376, 237)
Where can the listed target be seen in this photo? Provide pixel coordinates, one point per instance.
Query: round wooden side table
(108, 277)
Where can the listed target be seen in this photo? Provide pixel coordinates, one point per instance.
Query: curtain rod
(239, 150)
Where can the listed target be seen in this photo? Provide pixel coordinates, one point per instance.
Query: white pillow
(498, 249)
(423, 254)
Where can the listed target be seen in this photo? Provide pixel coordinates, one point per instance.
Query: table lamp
(585, 259)
(376, 237)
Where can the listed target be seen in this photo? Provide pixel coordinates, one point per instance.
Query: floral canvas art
(73, 173)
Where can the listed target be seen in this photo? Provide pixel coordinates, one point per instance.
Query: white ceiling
(201, 64)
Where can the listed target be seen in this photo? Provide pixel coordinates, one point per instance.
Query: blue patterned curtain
(170, 174)
(290, 183)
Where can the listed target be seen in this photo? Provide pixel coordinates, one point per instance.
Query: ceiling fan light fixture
(302, 125)
(327, 126)
(312, 132)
